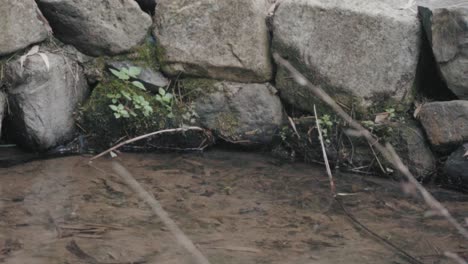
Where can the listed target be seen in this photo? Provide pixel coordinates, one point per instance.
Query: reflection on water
(236, 208)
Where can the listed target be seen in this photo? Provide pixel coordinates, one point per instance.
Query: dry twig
(173, 130)
(156, 207)
(325, 157)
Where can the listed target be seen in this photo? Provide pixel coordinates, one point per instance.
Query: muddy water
(236, 207)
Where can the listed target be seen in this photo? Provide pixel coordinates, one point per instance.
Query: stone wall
(366, 54)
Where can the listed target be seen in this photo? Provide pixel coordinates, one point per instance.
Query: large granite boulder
(446, 26)
(360, 51)
(445, 123)
(44, 90)
(245, 114)
(220, 39)
(456, 168)
(104, 27)
(21, 24)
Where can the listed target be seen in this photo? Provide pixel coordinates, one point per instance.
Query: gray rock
(97, 28)
(152, 80)
(42, 100)
(411, 144)
(445, 123)
(3, 108)
(456, 168)
(21, 24)
(241, 113)
(361, 50)
(220, 39)
(446, 26)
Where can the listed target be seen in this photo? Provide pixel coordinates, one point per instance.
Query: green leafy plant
(125, 74)
(119, 111)
(166, 100)
(126, 102)
(326, 125)
(391, 113)
(190, 115)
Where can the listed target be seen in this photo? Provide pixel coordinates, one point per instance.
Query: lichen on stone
(227, 124)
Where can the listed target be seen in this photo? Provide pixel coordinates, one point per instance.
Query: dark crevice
(429, 81)
(148, 6)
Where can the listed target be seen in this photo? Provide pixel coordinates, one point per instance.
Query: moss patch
(159, 55)
(227, 124)
(195, 88)
(97, 119)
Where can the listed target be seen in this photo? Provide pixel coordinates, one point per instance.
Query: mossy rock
(142, 56)
(194, 88)
(97, 120)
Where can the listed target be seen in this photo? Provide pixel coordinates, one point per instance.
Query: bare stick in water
(173, 130)
(325, 157)
(156, 207)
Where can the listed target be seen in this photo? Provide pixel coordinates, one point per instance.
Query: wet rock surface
(97, 27)
(358, 51)
(241, 113)
(456, 168)
(445, 123)
(3, 108)
(43, 93)
(446, 26)
(218, 39)
(21, 24)
(415, 151)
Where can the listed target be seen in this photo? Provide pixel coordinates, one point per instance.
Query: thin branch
(401, 251)
(158, 210)
(387, 151)
(455, 257)
(182, 129)
(293, 125)
(325, 157)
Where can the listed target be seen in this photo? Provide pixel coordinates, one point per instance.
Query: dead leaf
(417, 110)
(32, 51)
(45, 59)
(381, 117)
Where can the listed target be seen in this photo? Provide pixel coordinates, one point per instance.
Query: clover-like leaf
(126, 95)
(168, 97)
(139, 85)
(134, 71)
(113, 107)
(120, 74)
(162, 92)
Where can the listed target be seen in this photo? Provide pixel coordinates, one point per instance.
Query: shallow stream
(236, 207)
